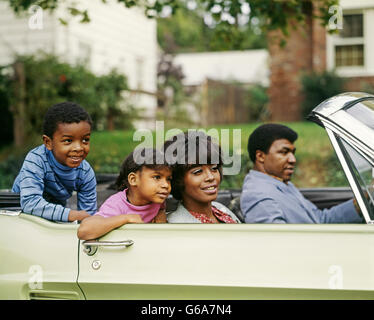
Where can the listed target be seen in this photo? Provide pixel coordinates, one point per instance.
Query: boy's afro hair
(64, 112)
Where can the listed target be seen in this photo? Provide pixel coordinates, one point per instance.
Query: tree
(224, 16)
(187, 31)
(28, 100)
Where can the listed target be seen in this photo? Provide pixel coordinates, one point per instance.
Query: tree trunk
(18, 107)
(110, 120)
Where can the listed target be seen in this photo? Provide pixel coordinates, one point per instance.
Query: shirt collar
(52, 160)
(269, 179)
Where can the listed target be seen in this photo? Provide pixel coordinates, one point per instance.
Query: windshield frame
(346, 162)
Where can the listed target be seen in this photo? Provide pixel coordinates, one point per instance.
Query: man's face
(280, 160)
(70, 143)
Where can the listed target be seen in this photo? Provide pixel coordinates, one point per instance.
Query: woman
(197, 174)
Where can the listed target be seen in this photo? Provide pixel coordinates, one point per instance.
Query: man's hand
(78, 215)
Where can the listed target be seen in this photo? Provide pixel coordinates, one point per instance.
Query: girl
(196, 178)
(143, 188)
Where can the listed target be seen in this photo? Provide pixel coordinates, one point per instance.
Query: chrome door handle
(90, 246)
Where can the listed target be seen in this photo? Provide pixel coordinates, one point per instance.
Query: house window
(349, 48)
(352, 26)
(349, 55)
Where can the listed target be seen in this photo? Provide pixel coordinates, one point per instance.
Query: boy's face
(153, 185)
(70, 143)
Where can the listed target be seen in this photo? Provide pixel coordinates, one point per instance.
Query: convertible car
(45, 260)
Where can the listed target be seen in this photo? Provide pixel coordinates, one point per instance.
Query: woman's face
(201, 184)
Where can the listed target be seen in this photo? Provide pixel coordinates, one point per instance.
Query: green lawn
(317, 164)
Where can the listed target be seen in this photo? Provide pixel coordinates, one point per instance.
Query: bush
(49, 81)
(258, 99)
(9, 170)
(318, 87)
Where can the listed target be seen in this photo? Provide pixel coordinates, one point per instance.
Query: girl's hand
(133, 218)
(160, 218)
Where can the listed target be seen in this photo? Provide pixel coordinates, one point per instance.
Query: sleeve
(110, 207)
(265, 210)
(31, 186)
(86, 195)
(341, 213)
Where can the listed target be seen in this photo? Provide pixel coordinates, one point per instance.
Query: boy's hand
(133, 218)
(160, 218)
(78, 215)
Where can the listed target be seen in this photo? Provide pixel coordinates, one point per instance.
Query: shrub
(49, 81)
(258, 99)
(9, 170)
(318, 87)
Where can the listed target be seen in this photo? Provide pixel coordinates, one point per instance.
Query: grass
(317, 164)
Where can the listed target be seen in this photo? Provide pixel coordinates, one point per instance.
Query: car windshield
(363, 172)
(363, 111)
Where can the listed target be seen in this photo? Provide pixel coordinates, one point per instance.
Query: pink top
(117, 204)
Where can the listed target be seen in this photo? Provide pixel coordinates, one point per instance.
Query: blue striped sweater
(45, 185)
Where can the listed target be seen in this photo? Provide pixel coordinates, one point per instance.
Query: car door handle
(90, 246)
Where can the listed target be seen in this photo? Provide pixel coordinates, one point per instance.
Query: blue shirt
(265, 199)
(45, 185)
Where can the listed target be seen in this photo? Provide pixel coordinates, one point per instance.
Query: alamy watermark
(228, 139)
(336, 277)
(336, 19)
(36, 277)
(36, 19)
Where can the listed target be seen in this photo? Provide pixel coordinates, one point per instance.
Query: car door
(38, 258)
(246, 261)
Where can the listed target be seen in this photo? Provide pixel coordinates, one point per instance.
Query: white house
(351, 51)
(116, 37)
(247, 66)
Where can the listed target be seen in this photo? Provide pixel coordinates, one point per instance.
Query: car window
(364, 112)
(363, 172)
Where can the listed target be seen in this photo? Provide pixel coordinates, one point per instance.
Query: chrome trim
(9, 212)
(366, 152)
(90, 246)
(330, 106)
(349, 175)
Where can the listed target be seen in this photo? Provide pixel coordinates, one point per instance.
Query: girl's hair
(136, 160)
(188, 150)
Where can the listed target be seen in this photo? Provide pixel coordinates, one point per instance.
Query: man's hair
(264, 136)
(64, 112)
(191, 149)
(136, 160)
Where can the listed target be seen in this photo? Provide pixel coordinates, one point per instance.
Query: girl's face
(201, 184)
(150, 185)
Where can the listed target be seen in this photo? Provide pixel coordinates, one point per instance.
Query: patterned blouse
(221, 216)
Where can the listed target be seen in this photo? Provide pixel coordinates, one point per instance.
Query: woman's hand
(161, 217)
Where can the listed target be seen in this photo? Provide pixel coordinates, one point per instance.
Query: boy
(52, 171)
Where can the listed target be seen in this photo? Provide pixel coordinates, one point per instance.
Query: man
(268, 196)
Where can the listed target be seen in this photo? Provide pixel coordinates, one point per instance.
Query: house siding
(116, 37)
